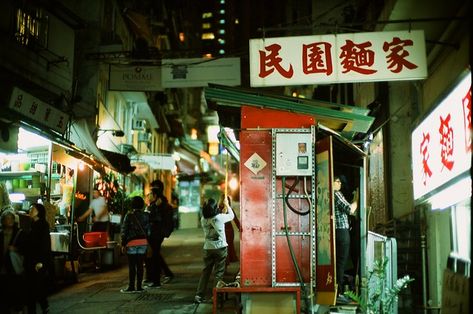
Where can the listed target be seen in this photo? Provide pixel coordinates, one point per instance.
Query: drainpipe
(424, 273)
(423, 246)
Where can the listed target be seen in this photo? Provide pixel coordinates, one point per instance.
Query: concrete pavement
(99, 292)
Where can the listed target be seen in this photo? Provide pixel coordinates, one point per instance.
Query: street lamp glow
(81, 166)
(233, 184)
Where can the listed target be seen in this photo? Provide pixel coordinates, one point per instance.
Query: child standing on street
(215, 244)
(134, 234)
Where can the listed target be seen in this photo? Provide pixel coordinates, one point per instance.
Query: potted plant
(379, 299)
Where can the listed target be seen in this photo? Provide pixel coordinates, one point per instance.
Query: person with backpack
(158, 226)
(134, 236)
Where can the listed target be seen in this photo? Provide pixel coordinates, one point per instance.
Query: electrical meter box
(294, 154)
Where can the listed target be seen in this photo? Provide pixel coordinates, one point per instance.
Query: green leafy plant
(380, 299)
(110, 188)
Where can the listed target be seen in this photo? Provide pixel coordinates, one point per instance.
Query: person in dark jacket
(134, 234)
(158, 202)
(38, 260)
(12, 238)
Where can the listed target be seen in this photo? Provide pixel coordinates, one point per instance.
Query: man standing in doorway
(342, 233)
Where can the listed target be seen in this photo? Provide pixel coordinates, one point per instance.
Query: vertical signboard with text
(441, 144)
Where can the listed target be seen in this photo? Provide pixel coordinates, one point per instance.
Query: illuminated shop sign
(441, 144)
(38, 111)
(341, 58)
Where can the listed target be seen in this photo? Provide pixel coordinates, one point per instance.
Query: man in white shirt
(98, 206)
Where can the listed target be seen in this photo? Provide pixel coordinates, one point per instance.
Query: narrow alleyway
(99, 292)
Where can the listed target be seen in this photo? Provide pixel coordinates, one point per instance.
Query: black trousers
(135, 270)
(38, 290)
(342, 237)
(157, 262)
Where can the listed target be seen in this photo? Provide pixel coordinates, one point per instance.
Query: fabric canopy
(119, 162)
(82, 138)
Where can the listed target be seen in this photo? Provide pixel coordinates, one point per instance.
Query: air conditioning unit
(139, 125)
(144, 137)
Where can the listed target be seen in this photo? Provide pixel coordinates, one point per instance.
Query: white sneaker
(127, 290)
(221, 284)
(198, 299)
(167, 279)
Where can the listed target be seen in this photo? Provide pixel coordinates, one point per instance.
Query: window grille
(31, 27)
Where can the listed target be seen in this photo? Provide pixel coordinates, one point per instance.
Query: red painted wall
(256, 202)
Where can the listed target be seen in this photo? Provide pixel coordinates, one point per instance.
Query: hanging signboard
(441, 144)
(199, 72)
(341, 58)
(38, 111)
(135, 78)
(165, 162)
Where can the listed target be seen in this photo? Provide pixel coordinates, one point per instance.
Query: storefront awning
(65, 148)
(347, 120)
(188, 162)
(82, 138)
(119, 162)
(191, 147)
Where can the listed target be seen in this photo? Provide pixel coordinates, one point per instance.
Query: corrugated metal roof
(347, 120)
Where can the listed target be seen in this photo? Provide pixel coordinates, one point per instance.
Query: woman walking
(38, 260)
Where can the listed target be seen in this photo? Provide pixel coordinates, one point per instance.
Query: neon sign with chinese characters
(342, 58)
(441, 144)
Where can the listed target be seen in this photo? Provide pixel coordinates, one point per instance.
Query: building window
(31, 27)
(221, 41)
(207, 15)
(222, 11)
(221, 21)
(221, 31)
(208, 36)
(206, 25)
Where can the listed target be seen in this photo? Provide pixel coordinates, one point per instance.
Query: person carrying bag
(12, 275)
(134, 237)
(16, 258)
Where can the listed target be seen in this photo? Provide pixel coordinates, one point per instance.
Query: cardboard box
(455, 293)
